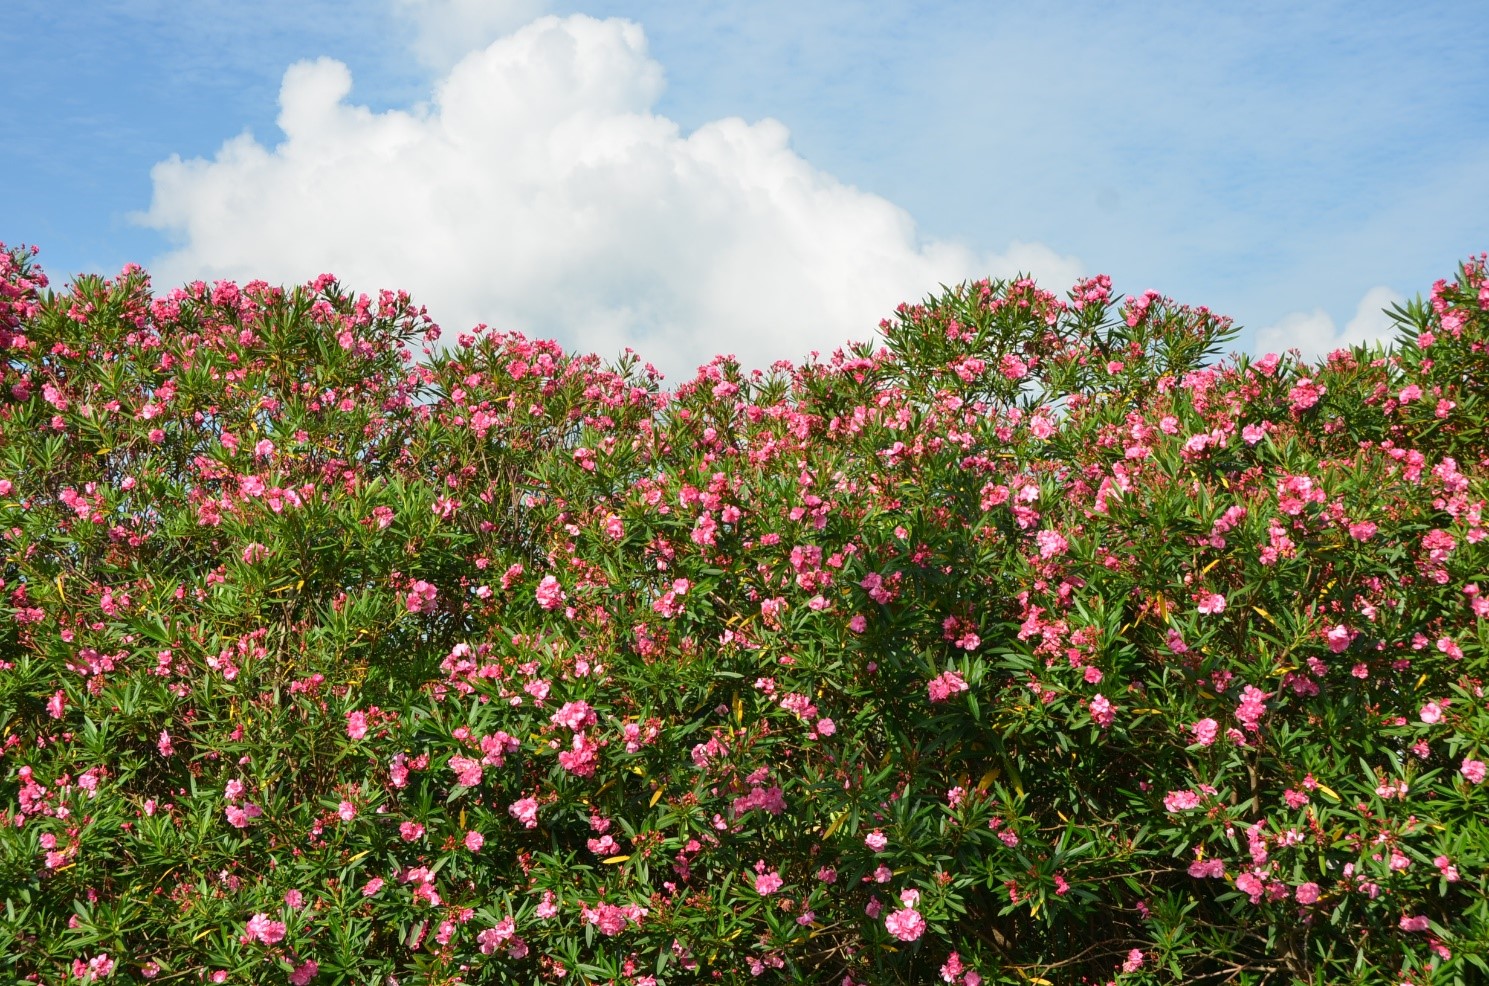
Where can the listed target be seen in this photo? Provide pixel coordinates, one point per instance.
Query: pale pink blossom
(905, 924)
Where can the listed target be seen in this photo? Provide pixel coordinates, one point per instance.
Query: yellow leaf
(1329, 791)
(615, 859)
(364, 852)
(655, 797)
(987, 779)
(1206, 569)
(837, 823)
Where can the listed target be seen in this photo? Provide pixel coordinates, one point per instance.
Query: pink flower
(945, 685)
(1101, 711)
(876, 841)
(305, 972)
(356, 725)
(1473, 770)
(474, 841)
(1252, 707)
(371, 887)
(574, 716)
(411, 831)
(1417, 922)
(1431, 713)
(525, 811)
(421, 597)
(254, 553)
(261, 929)
(1202, 869)
(1211, 603)
(1051, 544)
(1306, 893)
(98, 967)
(1250, 885)
(1338, 638)
(826, 727)
(1204, 731)
(467, 770)
(550, 594)
(905, 924)
(1176, 801)
(347, 811)
(768, 882)
(1134, 961)
(164, 744)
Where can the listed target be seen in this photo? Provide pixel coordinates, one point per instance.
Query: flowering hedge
(1026, 644)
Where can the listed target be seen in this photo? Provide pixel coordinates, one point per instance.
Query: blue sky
(762, 178)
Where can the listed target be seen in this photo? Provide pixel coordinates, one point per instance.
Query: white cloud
(447, 30)
(537, 190)
(1315, 334)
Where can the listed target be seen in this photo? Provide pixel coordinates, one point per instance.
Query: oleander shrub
(1024, 644)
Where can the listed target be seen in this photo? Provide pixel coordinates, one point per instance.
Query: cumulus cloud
(447, 30)
(537, 190)
(1315, 334)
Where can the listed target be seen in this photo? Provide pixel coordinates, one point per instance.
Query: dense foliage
(1025, 644)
